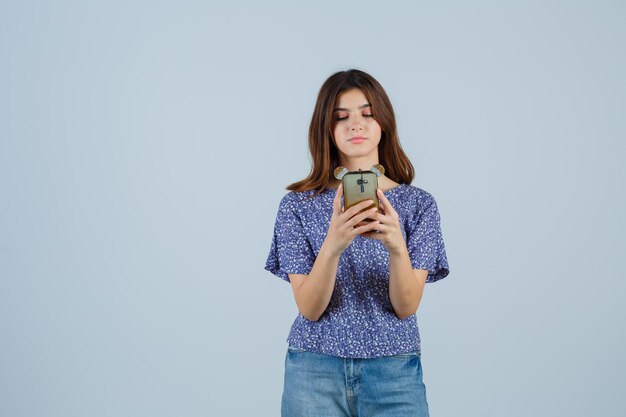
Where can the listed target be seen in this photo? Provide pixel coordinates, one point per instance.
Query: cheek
(338, 130)
(376, 128)
(337, 136)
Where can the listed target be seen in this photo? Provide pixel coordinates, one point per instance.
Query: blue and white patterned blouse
(359, 321)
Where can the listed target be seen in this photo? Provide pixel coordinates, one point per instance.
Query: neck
(363, 163)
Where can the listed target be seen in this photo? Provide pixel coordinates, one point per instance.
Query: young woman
(354, 349)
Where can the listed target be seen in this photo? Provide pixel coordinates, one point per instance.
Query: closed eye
(344, 118)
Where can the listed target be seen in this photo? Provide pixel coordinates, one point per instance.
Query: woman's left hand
(388, 230)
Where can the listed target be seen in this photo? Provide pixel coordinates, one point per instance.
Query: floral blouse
(359, 321)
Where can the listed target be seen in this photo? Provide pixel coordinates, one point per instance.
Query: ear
(378, 169)
(340, 171)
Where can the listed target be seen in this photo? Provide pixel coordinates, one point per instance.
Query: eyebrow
(360, 107)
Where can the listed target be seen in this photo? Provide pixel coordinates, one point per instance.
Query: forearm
(314, 294)
(405, 289)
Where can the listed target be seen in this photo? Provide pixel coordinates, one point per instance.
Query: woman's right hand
(341, 231)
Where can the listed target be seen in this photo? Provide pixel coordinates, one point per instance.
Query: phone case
(359, 186)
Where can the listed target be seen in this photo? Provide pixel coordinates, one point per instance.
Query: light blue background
(145, 147)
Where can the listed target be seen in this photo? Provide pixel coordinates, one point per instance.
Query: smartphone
(360, 186)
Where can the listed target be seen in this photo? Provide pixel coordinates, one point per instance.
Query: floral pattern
(359, 321)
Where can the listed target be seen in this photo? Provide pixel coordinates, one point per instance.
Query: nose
(356, 127)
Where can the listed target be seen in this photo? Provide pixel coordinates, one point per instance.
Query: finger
(370, 227)
(378, 231)
(374, 234)
(386, 204)
(375, 229)
(384, 218)
(361, 216)
(358, 207)
(373, 213)
(383, 201)
(337, 200)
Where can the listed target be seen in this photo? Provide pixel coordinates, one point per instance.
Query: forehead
(351, 99)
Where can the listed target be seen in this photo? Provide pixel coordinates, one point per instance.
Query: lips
(357, 139)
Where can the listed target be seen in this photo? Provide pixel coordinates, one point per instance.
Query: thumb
(337, 201)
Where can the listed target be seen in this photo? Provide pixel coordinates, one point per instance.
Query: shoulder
(417, 195)
(300, 200)
(416, 204)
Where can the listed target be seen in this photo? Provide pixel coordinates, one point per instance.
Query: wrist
(327, 251)
(400, 252)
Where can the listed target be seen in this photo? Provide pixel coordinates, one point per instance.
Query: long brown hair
(324, 152)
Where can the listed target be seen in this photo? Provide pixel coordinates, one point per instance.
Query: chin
(363, 152)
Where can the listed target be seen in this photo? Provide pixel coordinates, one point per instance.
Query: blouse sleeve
(290, 250)
(425, 241)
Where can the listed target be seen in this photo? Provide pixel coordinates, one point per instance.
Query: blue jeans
(318, 385)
